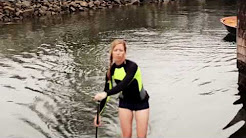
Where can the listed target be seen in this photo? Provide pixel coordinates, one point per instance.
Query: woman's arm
(105, 100)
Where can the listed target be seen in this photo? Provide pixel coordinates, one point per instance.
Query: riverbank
(12, 10)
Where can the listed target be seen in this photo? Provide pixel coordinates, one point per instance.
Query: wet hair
(113, 44)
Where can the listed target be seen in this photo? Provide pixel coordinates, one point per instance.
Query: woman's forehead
(119, 46)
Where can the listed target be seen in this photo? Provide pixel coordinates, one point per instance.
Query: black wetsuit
(126, 78)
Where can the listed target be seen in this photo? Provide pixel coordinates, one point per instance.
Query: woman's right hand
(99, 121)
(100, 96)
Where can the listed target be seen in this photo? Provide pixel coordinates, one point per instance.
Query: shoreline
(17, 10)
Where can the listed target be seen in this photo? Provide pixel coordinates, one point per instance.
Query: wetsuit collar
(121, 65)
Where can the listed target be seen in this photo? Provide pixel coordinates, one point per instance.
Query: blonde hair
(113, 44)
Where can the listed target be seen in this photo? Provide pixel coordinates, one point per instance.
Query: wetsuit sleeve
(102, 105)
(105, 100)
(130, 73)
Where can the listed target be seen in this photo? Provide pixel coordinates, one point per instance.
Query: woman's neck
(120, 62)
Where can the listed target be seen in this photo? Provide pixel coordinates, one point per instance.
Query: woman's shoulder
(131, 63)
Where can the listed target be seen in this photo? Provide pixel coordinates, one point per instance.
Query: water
(51, 68)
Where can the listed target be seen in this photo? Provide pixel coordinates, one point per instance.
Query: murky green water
(50, 68)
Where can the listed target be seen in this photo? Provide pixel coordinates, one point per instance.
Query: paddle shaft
(98, 110)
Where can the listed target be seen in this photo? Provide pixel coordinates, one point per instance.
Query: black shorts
(134, 106)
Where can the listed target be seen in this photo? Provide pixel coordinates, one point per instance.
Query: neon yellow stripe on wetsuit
(119, 74)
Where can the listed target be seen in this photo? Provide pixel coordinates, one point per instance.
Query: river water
(50, 68)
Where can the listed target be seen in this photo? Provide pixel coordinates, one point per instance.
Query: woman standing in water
(124, 77)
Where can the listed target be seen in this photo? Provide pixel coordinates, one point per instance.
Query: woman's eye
(120, 50)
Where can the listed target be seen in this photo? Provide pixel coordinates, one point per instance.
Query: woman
(124, 77)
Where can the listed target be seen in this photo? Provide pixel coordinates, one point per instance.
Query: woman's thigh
(126, 117)
(142, 118)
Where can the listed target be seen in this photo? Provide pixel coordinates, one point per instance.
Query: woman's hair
(113, 44)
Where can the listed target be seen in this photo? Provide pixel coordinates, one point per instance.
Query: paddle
(98, 110)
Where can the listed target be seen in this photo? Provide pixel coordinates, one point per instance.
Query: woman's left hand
(99, 121)
(100, 96)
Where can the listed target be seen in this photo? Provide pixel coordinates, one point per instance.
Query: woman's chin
(118, 62)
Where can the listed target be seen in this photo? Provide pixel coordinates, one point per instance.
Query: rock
(26, 4)
(104, 4)
(64, 7)
(73, 4)
(65, 4)
(53, 13)
(83, 3)
(9, 8)
(28, 12)
(57, 9)
(72, 9)
(17, 9)
(44, 8)
(91, 4)
(81, 9)
(42, 12)
(16, 18)
(128, 1)
(49, 13)
(7, 4)
(18, 4)
(39, 5)
(135, 2)
(19, 13)
(1, 4)
(47, 4)
(6, 19)
(21, 17)
(110, 6)
(11, 1)
(94, 8)
(50, 9)
(97, 3)
(1, 17)
(100, 7)
(117, 1)
(6, 12)
(36, 13)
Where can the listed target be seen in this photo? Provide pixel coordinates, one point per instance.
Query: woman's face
(119, 54)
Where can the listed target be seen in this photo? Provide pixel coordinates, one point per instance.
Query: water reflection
(241, 114)
(230, 37)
